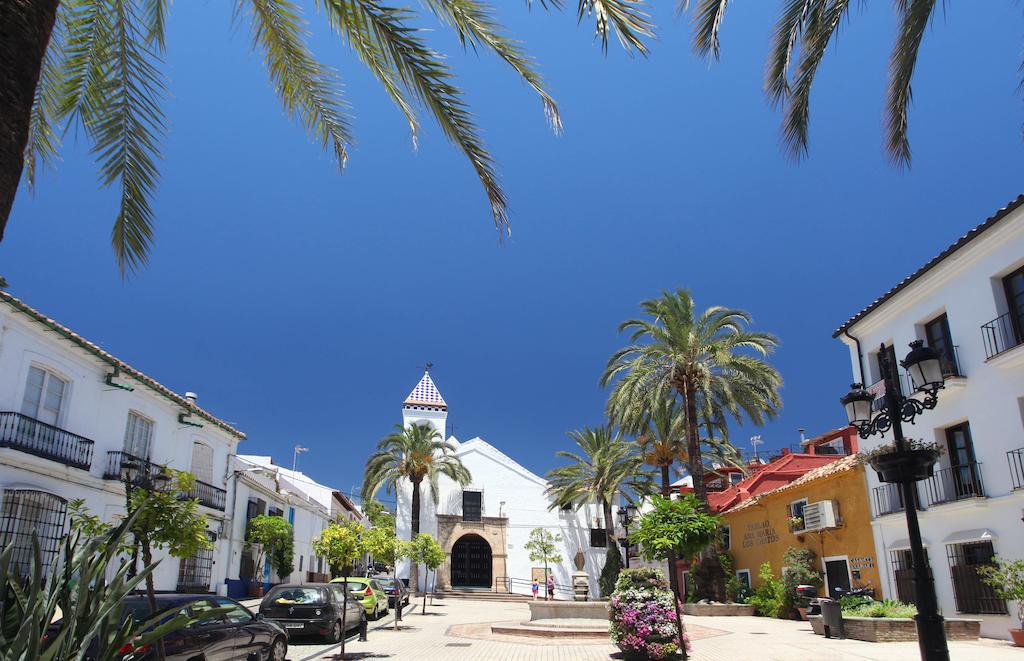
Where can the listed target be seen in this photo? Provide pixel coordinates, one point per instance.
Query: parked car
(369, 593)
(313, 609)
(235, 634)
(395, 589)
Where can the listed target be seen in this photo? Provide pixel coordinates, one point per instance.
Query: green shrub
(849, 602)
(801, 572)
(732, 582)
(610, 572)
(887, 608)
(768, 596)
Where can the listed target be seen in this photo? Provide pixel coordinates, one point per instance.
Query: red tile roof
(781, 472)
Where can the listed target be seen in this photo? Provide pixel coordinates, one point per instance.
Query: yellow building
(826, 510)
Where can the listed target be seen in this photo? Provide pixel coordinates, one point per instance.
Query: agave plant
(75, 590)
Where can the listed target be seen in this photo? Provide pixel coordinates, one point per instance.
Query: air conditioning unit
(820, 515)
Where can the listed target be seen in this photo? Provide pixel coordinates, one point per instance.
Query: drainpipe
(860, 354)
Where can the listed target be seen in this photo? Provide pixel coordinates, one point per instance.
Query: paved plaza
(455, 630)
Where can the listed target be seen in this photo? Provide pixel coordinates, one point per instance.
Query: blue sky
(302, 304)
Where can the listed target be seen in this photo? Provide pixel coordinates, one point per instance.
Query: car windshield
(386, 583)
(295, 596)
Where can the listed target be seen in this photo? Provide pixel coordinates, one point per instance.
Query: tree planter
(256, 590)
(1018, 637)
(890, 629)
(906, 466)
(705, 609)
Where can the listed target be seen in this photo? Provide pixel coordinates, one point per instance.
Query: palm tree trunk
(414, 570)
(26, 26)
(666, 483)
(693, 445)
(609, 524)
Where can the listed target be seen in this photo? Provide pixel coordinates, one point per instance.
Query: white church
(484, 527)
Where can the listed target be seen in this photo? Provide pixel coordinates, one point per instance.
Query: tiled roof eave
(125, 368)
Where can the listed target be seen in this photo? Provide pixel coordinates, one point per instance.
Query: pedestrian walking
(551, 586)
(535, 588)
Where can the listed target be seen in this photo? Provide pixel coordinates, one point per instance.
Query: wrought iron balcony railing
(1016, 460)
(31, 436)
(952, 484)
(208, 495)
(123, 466)
(999, 335)
(888, 499)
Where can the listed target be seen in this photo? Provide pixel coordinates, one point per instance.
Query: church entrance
(471, 562)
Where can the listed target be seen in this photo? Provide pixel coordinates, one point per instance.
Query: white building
(484, 527)
(968, 302)
(261, 487)
(73, 418)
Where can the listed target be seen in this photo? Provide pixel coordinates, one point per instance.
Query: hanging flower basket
(906, 466)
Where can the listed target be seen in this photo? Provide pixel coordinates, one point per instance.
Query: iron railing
(999, 335)
(208, 495)
(888, 499)
(950, 361)
(31, 436)
(510, 584)
(954, 483)
(1016, 460)
(121, 465)
(904, 387)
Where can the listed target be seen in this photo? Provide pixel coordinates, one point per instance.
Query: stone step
(483, 596)
(551, 629)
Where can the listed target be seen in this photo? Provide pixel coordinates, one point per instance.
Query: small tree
(1006, 577)
(675, 528)
(341, 544)
(543, 547)
(425, 550)
(273, 538)
(384, 545)
(378, 515)
(610, 571)
(800, 563)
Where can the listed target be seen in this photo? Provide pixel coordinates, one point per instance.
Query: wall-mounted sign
(758, 533)
(862, 562)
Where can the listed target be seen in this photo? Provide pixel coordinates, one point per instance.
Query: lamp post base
(931, 637)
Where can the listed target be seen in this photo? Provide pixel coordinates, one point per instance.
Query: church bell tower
(425, 404)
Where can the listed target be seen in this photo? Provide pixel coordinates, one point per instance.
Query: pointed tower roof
(426, 394)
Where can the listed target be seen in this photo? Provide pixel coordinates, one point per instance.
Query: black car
(234, 634)
(313, 609)
(395, 589)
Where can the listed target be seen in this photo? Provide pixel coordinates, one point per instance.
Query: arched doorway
(471, 562)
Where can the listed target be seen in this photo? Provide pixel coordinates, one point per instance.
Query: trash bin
(832, 618)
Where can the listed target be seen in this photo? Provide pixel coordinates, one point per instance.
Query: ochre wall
(760, 533)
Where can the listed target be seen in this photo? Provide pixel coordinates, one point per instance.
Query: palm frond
(475, 24)
(89, 35)
(915, 15)
(154, 17)
(626, 18)
(306, 88)
(787, 31)
(423, 71)
(707, 23)
(44, 138)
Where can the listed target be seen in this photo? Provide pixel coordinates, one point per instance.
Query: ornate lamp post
(905, 466)
(627, 515)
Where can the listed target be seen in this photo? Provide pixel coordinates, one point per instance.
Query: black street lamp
(906, 466)
(627, 515)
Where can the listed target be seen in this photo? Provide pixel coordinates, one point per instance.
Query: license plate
(296, 625)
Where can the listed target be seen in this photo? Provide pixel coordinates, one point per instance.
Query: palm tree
(662, 439)
(607, 467)
(709, 357)
(96, 63)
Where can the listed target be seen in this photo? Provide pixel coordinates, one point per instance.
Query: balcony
(1016, 460)
(208, 495)
(121, 464)
(1000, 335)
(888, 499)
(952, 484)
(31, 436)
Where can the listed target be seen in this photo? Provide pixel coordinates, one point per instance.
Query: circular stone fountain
(561, 619)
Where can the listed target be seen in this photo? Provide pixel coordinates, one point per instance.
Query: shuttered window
(202, 462)
(138, 435)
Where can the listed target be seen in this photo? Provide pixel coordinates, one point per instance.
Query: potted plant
(1006, 577)
(796, 523)
(916, 462)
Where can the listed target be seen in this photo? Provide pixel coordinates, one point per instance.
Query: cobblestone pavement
(446, 633)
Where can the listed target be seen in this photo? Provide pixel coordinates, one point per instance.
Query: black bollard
(362, 630)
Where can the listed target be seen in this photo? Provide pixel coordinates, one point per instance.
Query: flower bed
(702, 609)
(643, 617)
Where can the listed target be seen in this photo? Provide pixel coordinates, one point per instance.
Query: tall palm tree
(606, 467)
(662, 439)
(415, 453)
(710, 356)
(97, 63)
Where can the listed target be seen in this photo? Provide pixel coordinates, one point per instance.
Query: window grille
(195, 573)
(26, 511)
(472, 505)
(598, 538)
(972, 595)
(903, 574)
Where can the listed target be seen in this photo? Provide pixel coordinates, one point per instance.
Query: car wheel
(278, 650)
(334, 635)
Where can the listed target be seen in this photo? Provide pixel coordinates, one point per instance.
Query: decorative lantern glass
(858, 403)
(924, 364)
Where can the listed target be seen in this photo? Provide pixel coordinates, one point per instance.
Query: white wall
(966, 287)
(98, 412)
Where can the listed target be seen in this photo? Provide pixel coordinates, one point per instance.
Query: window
(138, 435)
(1013, 286)
(735, 478)
(24, 512)
(903, 574)
(598, 538)
(202, 462)
(937, 334)
(44, 396)
(885, 361)
(965, 476)
(236, 614)
(743, 576)
(472, 505)
(195, 572)
(726, 536)
(972, 595)
(200, 607)
(275, 511)
(796, 510)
